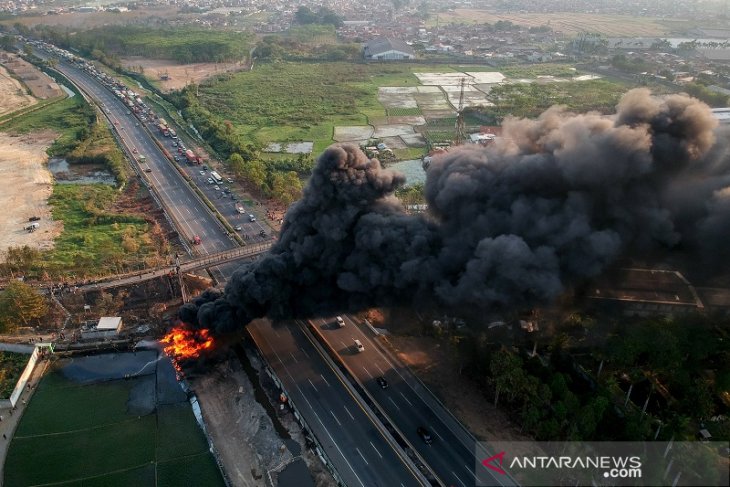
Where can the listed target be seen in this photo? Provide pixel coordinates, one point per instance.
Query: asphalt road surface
(351, 440)
(409, 405)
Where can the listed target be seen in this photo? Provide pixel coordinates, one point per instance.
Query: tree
(255, 172)
(20, 303)
(7, 42)
(20, 260)
(286, 187)
(506, 369)
(237, 164)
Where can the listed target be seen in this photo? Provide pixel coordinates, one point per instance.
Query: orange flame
(183, 344)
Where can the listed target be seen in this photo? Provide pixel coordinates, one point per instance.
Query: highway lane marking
(348, 412)
(362, 456)
(471, 471)
(437, 433)
(458, 478)
(394, 404)
(314, 412)
(404, 397)
(304, 352)
(325, 380)
(382, 372)
(292, 356)
(367, 372)
(312, 384)
(376, 450)
(333, 415)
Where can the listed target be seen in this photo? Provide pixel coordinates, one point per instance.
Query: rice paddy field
(110, 420)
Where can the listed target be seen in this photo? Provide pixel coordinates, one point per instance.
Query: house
(382, 49)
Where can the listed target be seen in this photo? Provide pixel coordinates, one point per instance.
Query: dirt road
(25, 186)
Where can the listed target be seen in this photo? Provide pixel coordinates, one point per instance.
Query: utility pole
(460, 131)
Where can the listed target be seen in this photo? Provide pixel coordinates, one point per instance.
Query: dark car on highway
(425, 435)
(382, 382)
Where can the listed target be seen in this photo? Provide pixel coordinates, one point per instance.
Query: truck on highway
(216, 177)
(195, 240)
(163, 129)
(172, 133)
(240, 208)
(191, 156)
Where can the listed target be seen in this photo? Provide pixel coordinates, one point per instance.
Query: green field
(286, 102)
(95, 236)
(73, 434)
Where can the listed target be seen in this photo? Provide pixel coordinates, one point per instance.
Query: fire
(184, 344)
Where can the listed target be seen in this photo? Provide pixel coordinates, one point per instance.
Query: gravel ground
(250, 448)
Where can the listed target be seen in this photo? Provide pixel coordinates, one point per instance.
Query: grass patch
(280, 102)
(531, 99)
(11, 366)
(97, 237)
(532, 71)
(403, 112)
(409, 153)
(70, 118)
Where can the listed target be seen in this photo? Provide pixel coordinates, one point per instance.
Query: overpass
(211, 260)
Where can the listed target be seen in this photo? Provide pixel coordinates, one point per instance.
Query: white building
(383, 49)
(108, 327)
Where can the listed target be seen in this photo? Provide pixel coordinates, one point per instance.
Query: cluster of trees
(272, 178)
(183, 44)
(630, 64)
(276, 179)
(411, 195)
(702, 92)
(20, 304)
(304, 15)
(298, 48)
(554, 398)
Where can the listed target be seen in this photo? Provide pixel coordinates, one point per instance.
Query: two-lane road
(451, 454)
(187, 211)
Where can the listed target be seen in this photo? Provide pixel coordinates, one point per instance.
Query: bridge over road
(209, 260)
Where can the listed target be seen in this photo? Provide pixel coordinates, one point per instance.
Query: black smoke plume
(555, 200)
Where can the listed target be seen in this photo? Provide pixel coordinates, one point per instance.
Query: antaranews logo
(627, 463)
(487, 462)
(614, 467)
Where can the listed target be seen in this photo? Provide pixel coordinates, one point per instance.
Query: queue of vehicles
(138, 108)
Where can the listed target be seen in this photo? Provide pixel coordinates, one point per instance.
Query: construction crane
(460, 131)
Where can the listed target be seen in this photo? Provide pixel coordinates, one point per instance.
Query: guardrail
(402, 445)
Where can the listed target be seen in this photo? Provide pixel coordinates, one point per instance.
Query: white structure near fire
(107, 327)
